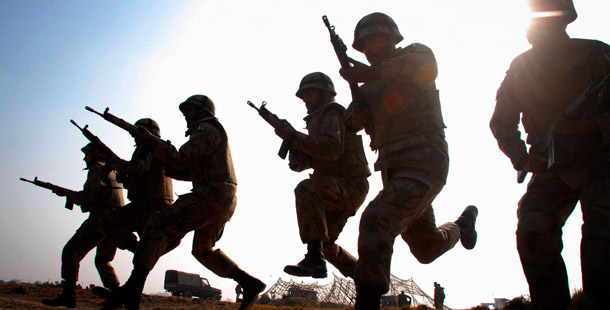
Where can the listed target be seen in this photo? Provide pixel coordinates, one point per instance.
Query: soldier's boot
(67, 298)
(367, 300)
(129, 294)
(251, 286)
(467, 222)
(107, 304)
(313, 265)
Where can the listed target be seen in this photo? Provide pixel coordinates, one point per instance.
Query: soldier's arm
(177, 174)
(329, 144)
(139, 163)
(602, 118)
(504, 124)
(298, 161)
(202, 142)
(350, 123)
(90, 189)
(416, 64)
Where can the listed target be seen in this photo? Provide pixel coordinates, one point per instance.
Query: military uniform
(101, 195)
(206, 161)
(149, 191)
(338, 185)
(407, 130)
(538, 86)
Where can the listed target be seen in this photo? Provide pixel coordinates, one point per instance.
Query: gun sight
(75, 124)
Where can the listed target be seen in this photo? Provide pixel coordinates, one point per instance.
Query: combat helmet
(201, 101)
(150, 125)
(91, 147)
(553, 8)
(317, 80)
(372, 24)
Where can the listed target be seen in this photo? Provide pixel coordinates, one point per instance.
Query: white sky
(142, 58)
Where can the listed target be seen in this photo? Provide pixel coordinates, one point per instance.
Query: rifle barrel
(252, 105)
(94, 111)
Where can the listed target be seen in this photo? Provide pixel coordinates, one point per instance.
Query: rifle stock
(276, 123)
(69, 205)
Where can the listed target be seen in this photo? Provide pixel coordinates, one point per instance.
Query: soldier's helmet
(317, 80)
(553, 8)
(372, 24)
(91, 147)
(203, 102)
(150, 125)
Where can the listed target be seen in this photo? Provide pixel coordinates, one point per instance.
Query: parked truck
(186, 284)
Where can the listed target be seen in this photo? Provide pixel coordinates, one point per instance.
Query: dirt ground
(25, 296)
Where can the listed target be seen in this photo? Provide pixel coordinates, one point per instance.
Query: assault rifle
(91, 137)
(583, 103)
(133, 130)
(69, 205)
(341, 51)
(276, 123)
(115, 120)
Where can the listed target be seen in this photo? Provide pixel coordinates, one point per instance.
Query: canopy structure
(342, 291)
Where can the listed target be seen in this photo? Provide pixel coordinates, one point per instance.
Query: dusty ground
(24, 296)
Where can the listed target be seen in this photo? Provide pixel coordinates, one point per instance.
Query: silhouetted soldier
(402, 114)
(404, 299)
(439, 296)
(338, 185)
(238, 292)
(205, 160)
(148, 189)
(540, 85)
(100, 195)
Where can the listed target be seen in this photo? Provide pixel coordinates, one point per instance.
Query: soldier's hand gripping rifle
(341, 51)
(545, 145)
(69, 205)
(276, 123)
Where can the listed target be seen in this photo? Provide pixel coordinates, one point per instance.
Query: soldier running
(402, 114)
(338, 185)
(101, 195)
(205, 160)
(148, 189)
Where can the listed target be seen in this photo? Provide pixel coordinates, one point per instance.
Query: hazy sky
(142, 58)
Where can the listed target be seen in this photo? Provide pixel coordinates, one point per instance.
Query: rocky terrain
(28, 296)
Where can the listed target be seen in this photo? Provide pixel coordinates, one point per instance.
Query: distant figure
(439, 296)
(404, 299)
(101, 194)
(542, 90)
(400, 110)
(338, 184)
(205, 160)
(238, 292)
(148, 189)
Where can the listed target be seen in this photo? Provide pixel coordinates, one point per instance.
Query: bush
(519, 303)
(580, 301)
